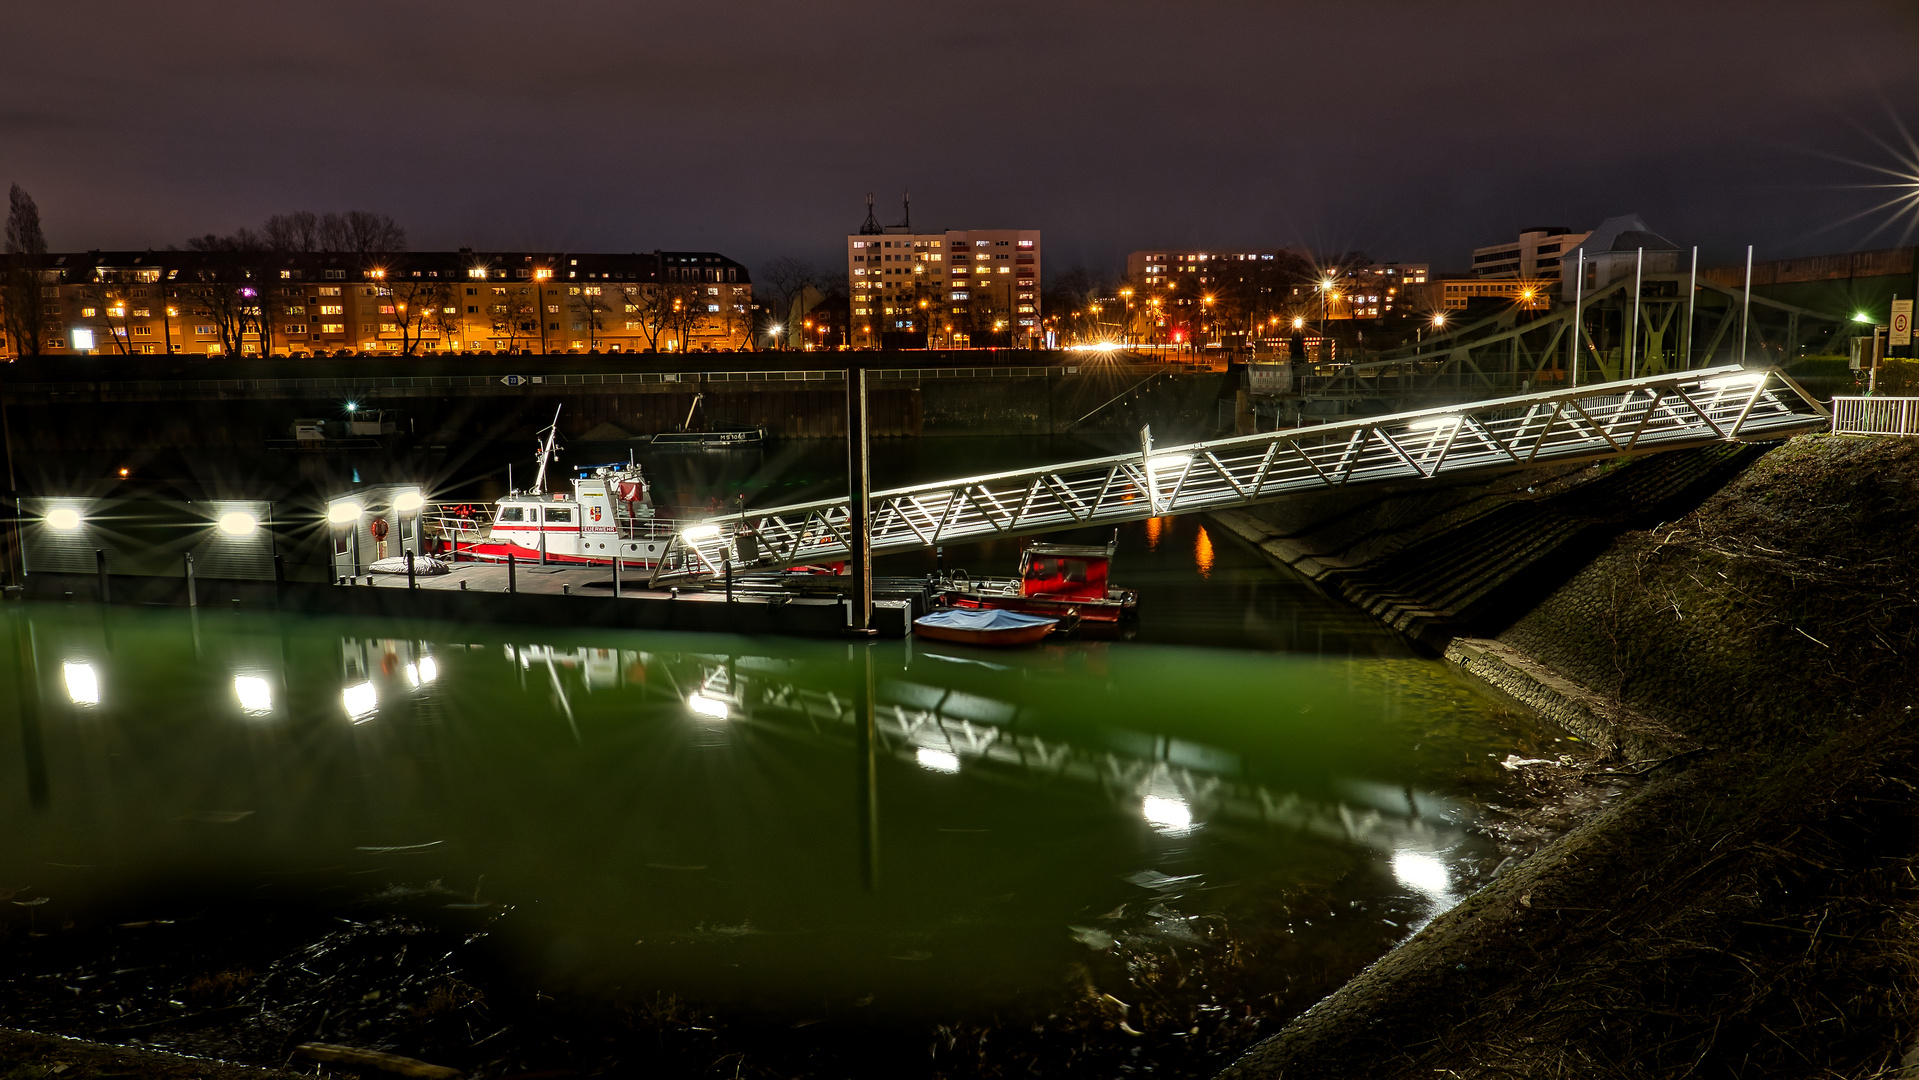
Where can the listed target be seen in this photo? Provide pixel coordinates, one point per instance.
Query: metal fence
(1875, 416)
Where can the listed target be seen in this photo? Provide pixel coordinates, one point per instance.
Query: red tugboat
(1060, 581)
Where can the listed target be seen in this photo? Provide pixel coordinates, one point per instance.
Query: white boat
(608, 515)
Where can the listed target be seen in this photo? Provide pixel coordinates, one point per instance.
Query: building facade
(962, 288)
(409, 303)
(1535, 256)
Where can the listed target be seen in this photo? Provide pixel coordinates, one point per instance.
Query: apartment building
(1458, 293)
(961, 288)
(1366, 291)
(1166, 268)
(312, 303)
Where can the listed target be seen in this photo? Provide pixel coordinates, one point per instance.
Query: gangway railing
(1605, 420)
(1875, 416)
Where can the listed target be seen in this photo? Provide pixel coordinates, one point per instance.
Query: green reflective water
(713, 815)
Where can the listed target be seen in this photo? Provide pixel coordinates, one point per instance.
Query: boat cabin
(1065, 571)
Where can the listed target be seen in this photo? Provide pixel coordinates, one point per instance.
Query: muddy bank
(1753, 910)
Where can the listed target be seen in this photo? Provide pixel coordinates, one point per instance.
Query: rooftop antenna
(906, 204)
(872, 227)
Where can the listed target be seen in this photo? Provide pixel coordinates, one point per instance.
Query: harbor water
(773, 822)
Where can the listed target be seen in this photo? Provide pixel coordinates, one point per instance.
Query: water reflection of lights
(255, 694)
(707, 706)
(939, 761)
(1203, 554)
(83, 684)
(360, 701)
(423, 672)
(1422, 871)
(1167, 815)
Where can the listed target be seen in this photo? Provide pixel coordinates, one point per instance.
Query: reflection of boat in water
(983, 626)
(1059, 581)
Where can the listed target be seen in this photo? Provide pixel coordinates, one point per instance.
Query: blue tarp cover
(981, 619)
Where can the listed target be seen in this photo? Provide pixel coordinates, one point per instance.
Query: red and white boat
(608, 515)
(1058, 581)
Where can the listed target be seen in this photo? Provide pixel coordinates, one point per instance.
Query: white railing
(1875, 416)
(1635, 416)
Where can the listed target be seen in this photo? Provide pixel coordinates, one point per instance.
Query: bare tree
(411, 306)
(298, 231)
(687, 312)
(649, 309)
(785, 278)
(361, 230)
(591, 307)
(211, 295)
(20, 294)
(512, 313)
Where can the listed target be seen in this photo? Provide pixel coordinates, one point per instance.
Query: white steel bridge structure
(1635, 416)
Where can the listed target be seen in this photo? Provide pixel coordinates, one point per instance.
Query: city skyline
(1113, 128)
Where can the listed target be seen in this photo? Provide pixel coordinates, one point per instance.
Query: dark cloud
(1412, 130)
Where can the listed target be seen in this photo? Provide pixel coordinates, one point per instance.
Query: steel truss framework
(1500, 351)
(1635, 416)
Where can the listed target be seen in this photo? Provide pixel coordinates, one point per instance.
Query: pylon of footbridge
(1634, 416)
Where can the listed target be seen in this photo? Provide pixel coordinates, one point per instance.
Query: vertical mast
(546, 452)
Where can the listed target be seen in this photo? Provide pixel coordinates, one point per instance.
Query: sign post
(1901, 324)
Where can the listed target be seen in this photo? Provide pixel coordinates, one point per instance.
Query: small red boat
(1060, 581)
(976, 626)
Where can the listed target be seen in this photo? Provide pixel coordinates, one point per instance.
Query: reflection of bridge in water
(1663, 412)
(1176, 785)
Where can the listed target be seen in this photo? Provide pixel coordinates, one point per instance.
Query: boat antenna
(546, 452)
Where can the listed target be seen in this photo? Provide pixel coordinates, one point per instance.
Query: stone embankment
(1753, 908)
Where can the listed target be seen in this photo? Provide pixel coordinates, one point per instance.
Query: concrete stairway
(1469, 567)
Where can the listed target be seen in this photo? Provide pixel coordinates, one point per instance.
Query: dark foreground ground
(1753, 911)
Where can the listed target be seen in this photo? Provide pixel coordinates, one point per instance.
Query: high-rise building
(961, 288)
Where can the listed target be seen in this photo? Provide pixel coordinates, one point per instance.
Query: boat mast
(546, 452)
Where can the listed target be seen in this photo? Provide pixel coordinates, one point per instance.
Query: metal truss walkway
(1636, 416)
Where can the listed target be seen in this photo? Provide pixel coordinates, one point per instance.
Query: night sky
(1408, 130)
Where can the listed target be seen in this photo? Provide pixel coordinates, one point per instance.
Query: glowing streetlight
(1439, 321)
(1861, 317)
(238, 523)
(1299, 322)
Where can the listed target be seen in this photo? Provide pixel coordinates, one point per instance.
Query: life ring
(378, 528)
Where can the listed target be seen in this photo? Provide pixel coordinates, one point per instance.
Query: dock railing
(1875, 416)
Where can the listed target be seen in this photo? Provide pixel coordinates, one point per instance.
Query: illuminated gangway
(1636, 416)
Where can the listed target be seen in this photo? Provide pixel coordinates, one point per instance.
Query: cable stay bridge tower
(1642, 415)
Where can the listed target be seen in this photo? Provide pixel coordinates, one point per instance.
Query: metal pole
(279, 578)
(542, 536)
(512, 575)
(1745, 310)
(857, 496)
(1692, 301)
(1579, 321)
(100, 567)
(193, 599)
(616, 572)
(1632, 340)
(409, 568)
(726, 567)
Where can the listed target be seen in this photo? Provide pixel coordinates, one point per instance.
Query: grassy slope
(1754, 910)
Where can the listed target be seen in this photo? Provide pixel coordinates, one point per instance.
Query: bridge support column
(858, 493)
